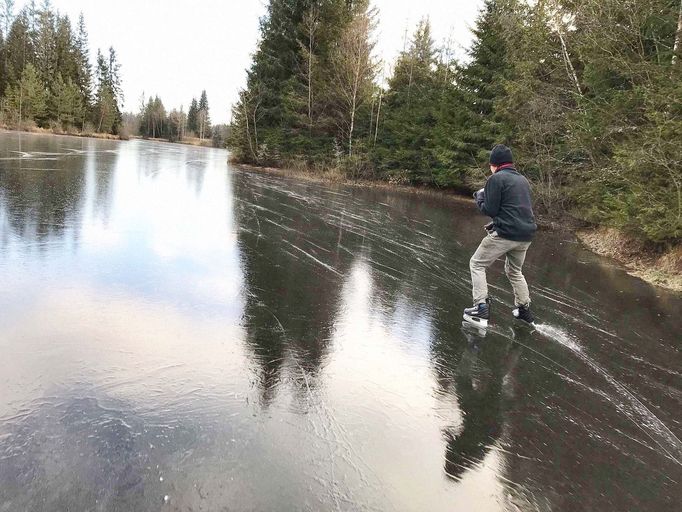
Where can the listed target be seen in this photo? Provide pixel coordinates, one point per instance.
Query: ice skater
(506, 198)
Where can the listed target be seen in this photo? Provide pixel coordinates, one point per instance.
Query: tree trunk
(678, 36)
(376, 127)
(310, 81)
(569, 65)
(352, 123)
(255, 124)
(248, 133)
(21, 101)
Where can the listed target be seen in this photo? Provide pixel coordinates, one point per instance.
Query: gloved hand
(478, 193)
(489, 227)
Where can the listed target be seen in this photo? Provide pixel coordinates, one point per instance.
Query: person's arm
(489, 201)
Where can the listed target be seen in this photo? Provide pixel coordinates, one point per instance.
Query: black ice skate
(479, 314)
(523, 313)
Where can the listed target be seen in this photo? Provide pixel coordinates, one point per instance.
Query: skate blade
(480, 322)
(523, 322)
(474, 330)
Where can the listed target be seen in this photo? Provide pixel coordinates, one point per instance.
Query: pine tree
(81, 52)
(6, 19)
(411, 104)
(265, 113)
(626, 127)
(66, 105)
(481, 82)
(192, 116)
(107, 115)
(203, 117)
(176, 125)
(19, 47)
(27, 99)
(114, 74)
(65, 57)
(6, 15)
(3, 67)
(45, 37)
(354, 71)
(302, 101)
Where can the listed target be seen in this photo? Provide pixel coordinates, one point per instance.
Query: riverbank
(190, 141)
(45, 131)
(662, 269)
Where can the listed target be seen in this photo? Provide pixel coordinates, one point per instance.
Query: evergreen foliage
(410, 112)
(192, 116)
(40, 50)
(153, 121)
(203, 121)
(27, 99)
(301, 102)
(586, 92)
(107, 112)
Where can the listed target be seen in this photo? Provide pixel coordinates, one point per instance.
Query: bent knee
(512, 271)
(476, 264)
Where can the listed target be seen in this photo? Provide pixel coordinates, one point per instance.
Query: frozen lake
(180, 334)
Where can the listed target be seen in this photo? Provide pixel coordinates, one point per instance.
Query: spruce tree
(115, 74)
(6, 19)
(19, 47)
(192, 116)
(410, 109)
(354, 70)
(65, 103)
(27, 99)
(265, 113)
(626, 127)
(45, 37)
(481, 82)
(3, 67)
(203, 117)
(81, 53)
(65, 58)
(107, 115)
(6, 15)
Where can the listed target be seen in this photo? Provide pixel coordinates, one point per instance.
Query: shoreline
(659, 269)
(106, 136)
(662, 269)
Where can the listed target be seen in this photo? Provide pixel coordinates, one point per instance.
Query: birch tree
(310, 27)
(354, 69)
(678, 36)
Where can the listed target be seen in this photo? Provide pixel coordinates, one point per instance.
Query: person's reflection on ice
(480, 379)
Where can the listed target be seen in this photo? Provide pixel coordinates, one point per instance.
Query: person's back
(507, 199)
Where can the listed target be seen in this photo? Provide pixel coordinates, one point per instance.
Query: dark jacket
(506, 198)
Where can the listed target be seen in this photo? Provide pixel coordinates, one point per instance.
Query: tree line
(588, 93)
(46, 78)
(177, 126)
(156, 123)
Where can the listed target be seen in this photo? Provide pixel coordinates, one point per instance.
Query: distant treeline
(46, 78)
(588, 93)
(153, 121)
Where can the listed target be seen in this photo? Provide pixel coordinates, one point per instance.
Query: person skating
(507, 199)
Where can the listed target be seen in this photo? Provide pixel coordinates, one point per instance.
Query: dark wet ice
(181, 334)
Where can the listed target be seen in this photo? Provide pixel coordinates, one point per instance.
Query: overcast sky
(176, 48)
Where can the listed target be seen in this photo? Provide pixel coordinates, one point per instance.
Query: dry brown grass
(71, 132)
(196, 141)
(660, 268)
